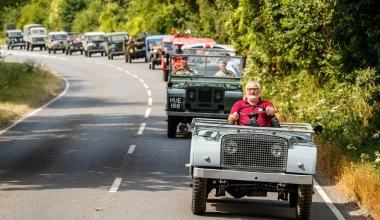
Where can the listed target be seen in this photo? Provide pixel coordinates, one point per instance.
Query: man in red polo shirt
(253, 98)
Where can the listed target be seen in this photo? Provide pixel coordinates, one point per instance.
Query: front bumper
(38, 44)
(96, 50)
(198, 114)
(117, 53)
(17, 44)
(253, 176)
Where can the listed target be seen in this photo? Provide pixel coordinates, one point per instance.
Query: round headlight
(230, 147)
(277, 150)
(218, 95)
(191, 95)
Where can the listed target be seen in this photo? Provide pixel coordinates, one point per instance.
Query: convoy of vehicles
(240, 160)
(56, 41)
(34, 36)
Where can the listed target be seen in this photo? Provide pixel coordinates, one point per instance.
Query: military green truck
(113, 44)
(195, 91)
(14, 38)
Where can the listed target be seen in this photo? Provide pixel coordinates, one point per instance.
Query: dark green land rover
(197, 89)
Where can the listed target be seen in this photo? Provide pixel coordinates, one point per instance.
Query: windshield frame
(207, 66)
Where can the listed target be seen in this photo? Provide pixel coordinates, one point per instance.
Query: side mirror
(318, 129)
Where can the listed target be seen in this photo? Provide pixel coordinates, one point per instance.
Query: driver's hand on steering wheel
(233, 117)
(269, 111)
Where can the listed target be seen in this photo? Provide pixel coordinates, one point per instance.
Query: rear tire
(198, 206)
(153, 66)
(129, 59)
(89, 54)
(111, 56)
(81, 52)
(304, 202)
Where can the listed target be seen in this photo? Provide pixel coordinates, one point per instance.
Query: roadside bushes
(11, 73)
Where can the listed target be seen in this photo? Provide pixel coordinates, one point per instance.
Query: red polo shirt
(263, 117)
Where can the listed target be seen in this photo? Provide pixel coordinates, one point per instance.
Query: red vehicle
(167, 48)
(177, 45)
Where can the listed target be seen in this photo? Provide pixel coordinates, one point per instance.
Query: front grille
(254, 151)
(204, 97)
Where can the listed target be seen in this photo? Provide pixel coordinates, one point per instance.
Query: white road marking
(328, 201)
(149, 93)
(99, 63)
(150, 101)
(146, 86)
(141, 80)
(131, 149)
(141, 130)
(119, 68)
(147, 113)
(135, 76)
(39, 109)
(127, 72)
(109, 65)
(115, 185)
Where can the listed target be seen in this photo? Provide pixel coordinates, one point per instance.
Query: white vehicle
(34, 36)
(56, 41)
(93, 43)
(252, 161)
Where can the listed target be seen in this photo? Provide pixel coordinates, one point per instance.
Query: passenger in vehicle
(252, 98)
(183, 68)
(222, 63)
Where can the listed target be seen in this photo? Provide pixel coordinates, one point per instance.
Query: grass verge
(24, 87)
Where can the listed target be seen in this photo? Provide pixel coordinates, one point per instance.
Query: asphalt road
(101, 152)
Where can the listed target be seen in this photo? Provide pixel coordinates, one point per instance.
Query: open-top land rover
(56, 41)
(196, 92)
(252, 161)
(93, 43)
(74, 43)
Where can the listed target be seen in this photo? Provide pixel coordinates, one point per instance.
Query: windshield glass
(201, 65)
(209, 52)
(14, 34)
(74, 36)
(95, 38)
(58, 36)
(118, 38)
(153, 43)
(38, 31)
(168, 46)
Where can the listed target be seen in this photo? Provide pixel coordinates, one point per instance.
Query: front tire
(172, 126)
(165, 75)
(304, 202)
(199, 197)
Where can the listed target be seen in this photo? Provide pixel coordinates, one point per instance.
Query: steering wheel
(189, 71)
(252, 115)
